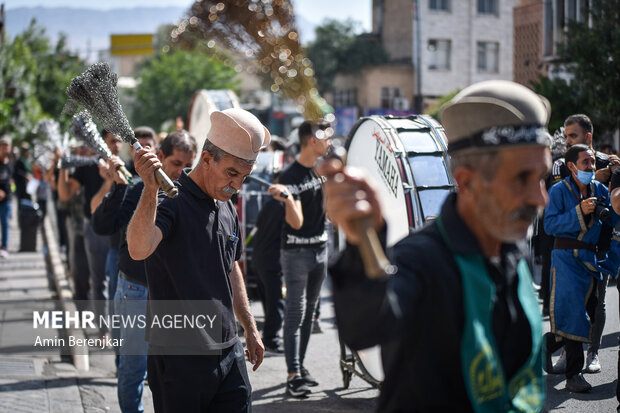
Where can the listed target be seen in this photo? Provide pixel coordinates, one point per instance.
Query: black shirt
(6, 174)
(88, 176)
(305, 185)
(112, 216)
(418, 315)
(266, 254)
(21, 170)
(199, 247)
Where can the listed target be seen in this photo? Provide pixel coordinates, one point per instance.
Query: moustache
(528, 213)
(229, 190)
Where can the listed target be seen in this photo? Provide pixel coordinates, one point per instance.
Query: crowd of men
(463, 286)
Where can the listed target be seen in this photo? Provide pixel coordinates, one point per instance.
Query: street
(49, 382)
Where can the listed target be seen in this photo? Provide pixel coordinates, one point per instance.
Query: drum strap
(481, 365)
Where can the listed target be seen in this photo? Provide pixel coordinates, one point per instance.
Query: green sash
(481, 363)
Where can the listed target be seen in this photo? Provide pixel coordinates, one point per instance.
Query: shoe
(4, 253)
(577, 384)
(274, 347)
(297, 387)
(310, 381)
(592, 363)
(560, 366)
(316, 327)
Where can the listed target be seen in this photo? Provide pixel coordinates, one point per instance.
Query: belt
(572, 244)
(131, 279)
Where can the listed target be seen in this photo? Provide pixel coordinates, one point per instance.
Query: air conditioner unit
(400, 103)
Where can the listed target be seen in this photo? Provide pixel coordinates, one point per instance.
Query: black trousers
(273, 304)
(200, 384)
(574, 353)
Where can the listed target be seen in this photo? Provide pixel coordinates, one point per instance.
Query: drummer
(458, 323)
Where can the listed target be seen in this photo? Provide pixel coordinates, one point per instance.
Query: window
(487, 7)
(548, 29)
(488, 57)
(439, 54)
(440, 5)
(388, 94)
(345, 97)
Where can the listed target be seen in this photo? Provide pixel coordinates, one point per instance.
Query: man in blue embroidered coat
(462, 287)
(573, 218)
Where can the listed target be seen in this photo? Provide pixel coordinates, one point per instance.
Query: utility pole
(417, 101)
(2, 22)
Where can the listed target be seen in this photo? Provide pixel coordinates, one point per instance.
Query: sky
(313, 10)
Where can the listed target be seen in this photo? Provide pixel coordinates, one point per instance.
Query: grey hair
(218, 154)
(484, 161)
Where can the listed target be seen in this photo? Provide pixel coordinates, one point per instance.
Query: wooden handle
(166, 184)
(376, 264)
(162, 179)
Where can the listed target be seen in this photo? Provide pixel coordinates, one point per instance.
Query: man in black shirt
(304, 253)
(22, 173)
(191, 245)
(94, 179)
(113, 214)
(6, 173)
(462, 287)
(266, 264)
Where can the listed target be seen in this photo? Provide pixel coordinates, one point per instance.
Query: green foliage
(19, 107)
(592, 55)
(436, 107)
(56, 69)
(33, 77)
(337, 48)
(564, 100)
(169, 80)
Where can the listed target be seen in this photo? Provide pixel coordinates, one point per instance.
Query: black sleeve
(287, 179)
(79, 175)
(105, 218)
(371, 312)
(20, 171)
(166, 213)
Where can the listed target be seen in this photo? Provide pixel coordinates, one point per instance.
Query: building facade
(539, 27)
(457, 43)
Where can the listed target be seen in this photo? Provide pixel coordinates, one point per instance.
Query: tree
(19, 107)
(56, 67)
(564, 100)
(337, 48)
(169, 80)
(34, 75)
(592, 55)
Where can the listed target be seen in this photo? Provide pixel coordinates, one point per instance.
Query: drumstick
(376, 264)
(263, 182)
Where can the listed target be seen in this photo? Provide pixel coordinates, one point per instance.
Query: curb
(79, 354)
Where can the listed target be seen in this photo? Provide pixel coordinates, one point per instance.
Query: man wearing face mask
(578, 129)
(573, 218)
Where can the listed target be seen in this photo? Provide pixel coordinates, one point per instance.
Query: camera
(601, 211)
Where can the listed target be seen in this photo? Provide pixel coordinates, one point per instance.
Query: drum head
(370, 148)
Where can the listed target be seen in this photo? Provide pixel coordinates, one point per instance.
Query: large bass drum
(408, 160)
